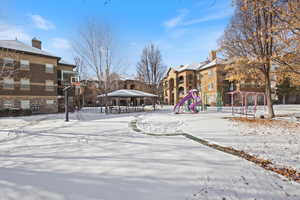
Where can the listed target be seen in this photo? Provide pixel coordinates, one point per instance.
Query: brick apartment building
(208, 77)
(31, 78)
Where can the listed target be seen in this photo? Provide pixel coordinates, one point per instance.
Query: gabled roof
(20, 46)
(128, 93)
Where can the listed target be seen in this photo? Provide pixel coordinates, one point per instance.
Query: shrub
(14, 112)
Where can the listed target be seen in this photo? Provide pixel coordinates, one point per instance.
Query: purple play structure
(193, 94)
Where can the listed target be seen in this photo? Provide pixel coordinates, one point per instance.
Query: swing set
(240, 103)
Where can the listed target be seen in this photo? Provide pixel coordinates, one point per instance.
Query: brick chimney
(212, 55)
(36, 43)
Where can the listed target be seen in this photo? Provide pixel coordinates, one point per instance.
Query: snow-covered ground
(275, 143)
(100, 157)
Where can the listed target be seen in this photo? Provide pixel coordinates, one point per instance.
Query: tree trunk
(269, 97)
(284, 99)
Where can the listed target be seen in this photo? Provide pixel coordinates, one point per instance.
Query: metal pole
(66, 106)
(232, 103)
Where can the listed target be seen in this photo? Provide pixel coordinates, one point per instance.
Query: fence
(113, 109)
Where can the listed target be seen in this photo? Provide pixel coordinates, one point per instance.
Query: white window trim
(8, 81)
(49, 85)
(27, 104)
(24, 64)
(210, 86)
(5, 103)
(24, 86)
(49, 68)
(50, 102)
(8, 60)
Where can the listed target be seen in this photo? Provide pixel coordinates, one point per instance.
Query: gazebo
(127, 98)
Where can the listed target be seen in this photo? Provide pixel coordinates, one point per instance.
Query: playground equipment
(244, 106)
(192, 94)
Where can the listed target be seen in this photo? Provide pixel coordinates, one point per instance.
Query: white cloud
(180, 19)
(173, 22)
(60, 43)
(41, 22)
(207, 18)
(12, 32)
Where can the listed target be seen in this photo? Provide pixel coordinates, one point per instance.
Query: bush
(14, 112)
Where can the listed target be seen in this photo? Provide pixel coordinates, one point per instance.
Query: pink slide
(191, 95)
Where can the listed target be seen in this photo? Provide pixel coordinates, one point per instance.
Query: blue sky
(185, 30)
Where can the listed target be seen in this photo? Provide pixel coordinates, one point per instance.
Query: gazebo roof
(128, 93)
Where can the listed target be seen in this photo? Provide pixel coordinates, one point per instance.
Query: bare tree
(9, 66)
(95, 49)
(150, 68)
(250, 40)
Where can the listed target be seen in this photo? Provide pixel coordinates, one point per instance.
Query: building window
(166, 84)
(24, 65)
(49, 68)
(25, 84)
(8, 104)
(49, 85)
(199, 87)
(210, 72)
(181, 79)
(8, 62)
(210, 86)
(49, 102)
(211, 99)
(190, 78)
(181, 91)
(25, 104)
(74, 79)
(8, 83)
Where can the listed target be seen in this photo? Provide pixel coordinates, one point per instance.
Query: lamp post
(66, 89)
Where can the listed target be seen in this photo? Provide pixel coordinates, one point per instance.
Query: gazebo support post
(265, 102)
(231, 103)
(255, 104)
(246, 104)
(119, 105)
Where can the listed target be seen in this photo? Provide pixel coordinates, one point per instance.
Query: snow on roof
(128, 93)
(63, 62)
(197, 66)
(189, 67)
(216, 61)
(125, 77)
(20, 46)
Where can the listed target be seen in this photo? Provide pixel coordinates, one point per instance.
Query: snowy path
(97, 157)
